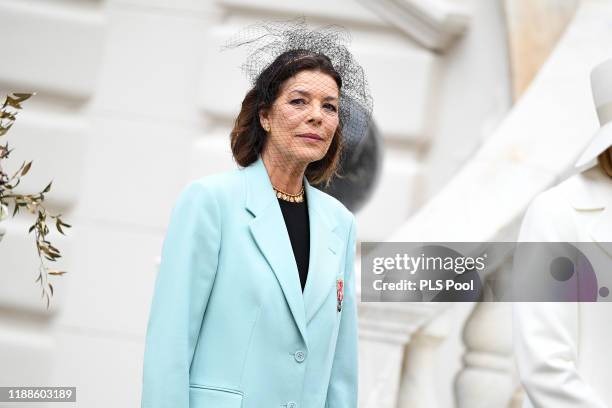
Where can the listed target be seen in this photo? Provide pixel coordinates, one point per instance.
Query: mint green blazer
(229, 326)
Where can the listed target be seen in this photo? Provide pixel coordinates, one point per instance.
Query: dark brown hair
(248, 137)
(605, 161)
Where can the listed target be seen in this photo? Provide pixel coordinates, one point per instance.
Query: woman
(254, 304)
(563, 349)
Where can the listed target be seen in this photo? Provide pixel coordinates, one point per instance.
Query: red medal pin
(339, 293)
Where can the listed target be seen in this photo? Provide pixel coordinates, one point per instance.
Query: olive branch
(31, 202)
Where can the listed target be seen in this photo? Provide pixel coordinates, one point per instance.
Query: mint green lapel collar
(325, 251)
(259, 192)
(270, 234)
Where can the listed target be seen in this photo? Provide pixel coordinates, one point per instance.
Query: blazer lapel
(592, 193)
(601, 230)
(270, 234)
(325, 252)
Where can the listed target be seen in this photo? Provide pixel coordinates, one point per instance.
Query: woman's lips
(311, 136)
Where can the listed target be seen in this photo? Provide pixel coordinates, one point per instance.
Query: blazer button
(299, 356)
(291, 405)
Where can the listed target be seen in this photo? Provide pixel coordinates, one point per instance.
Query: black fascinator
(265, 41)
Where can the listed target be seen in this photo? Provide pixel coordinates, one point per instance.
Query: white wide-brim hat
(601, 87)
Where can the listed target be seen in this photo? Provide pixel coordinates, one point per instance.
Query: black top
(296, 221)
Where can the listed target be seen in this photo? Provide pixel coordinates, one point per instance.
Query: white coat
(564, 350)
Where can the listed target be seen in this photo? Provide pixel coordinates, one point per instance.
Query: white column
(395, 355)
(487, 379)
(419, 385)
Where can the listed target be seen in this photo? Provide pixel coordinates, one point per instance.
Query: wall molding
(434, 24)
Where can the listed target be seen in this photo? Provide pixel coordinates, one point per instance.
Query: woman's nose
(316, 114)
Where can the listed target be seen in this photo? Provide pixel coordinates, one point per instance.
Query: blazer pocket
(208, 396)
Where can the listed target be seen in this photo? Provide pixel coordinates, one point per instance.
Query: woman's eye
(330, 107)
(301, 101)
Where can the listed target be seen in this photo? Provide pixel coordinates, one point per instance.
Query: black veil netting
(265, 41)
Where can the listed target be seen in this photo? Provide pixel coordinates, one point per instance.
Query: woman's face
(303, 119)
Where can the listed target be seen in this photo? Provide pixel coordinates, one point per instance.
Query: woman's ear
(263, 119)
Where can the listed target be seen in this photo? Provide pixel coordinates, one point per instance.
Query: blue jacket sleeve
(343, 383)
(182, 288)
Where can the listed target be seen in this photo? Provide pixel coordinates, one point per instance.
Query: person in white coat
(563, 350)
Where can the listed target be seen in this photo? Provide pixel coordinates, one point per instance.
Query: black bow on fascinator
(361, 157)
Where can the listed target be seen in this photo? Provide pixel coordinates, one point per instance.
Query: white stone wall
(475, 95)
(134, 100)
